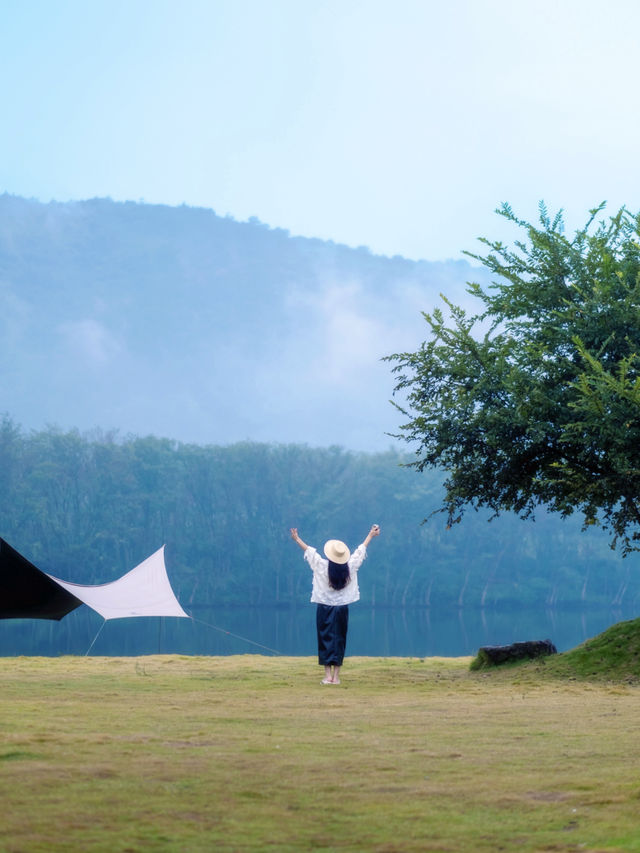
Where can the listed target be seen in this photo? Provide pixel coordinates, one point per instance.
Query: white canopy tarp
(144, 591)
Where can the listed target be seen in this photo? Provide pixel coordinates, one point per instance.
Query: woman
(335, 587)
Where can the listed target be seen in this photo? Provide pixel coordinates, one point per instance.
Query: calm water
(373, 632)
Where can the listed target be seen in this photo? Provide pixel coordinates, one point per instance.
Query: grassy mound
(613, 655)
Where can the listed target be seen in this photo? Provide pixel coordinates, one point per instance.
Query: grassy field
(252, 753)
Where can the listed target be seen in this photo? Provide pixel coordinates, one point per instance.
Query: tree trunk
(496, 655)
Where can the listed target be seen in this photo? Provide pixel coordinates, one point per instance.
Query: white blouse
(321, 592)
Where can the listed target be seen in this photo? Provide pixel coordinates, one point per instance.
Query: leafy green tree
(535, 399)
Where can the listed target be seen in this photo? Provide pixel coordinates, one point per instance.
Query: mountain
(173, 321)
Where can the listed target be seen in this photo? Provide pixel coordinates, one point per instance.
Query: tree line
(89, 507)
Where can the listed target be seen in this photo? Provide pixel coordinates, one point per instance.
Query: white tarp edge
(144, 591)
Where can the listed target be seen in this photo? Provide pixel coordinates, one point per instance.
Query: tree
(535, 399)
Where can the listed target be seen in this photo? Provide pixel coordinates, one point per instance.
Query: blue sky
(396, 125)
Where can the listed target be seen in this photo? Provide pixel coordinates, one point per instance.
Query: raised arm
(375, 531)
(297, 539)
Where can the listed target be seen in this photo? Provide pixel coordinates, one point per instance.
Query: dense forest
(89, 507)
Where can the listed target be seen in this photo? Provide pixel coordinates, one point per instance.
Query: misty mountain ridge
(176, 322)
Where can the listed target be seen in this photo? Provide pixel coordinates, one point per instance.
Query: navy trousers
(332, 624)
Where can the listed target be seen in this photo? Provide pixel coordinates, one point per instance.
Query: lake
(377, 632)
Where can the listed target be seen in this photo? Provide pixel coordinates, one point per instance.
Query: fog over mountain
(176, 322)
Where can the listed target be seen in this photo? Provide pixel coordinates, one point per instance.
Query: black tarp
(28, 593)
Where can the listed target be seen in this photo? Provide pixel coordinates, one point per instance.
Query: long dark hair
(339, 575)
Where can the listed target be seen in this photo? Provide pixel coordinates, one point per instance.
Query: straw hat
(336, 551)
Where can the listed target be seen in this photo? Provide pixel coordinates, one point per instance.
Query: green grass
(247, 753)
(613, 656)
